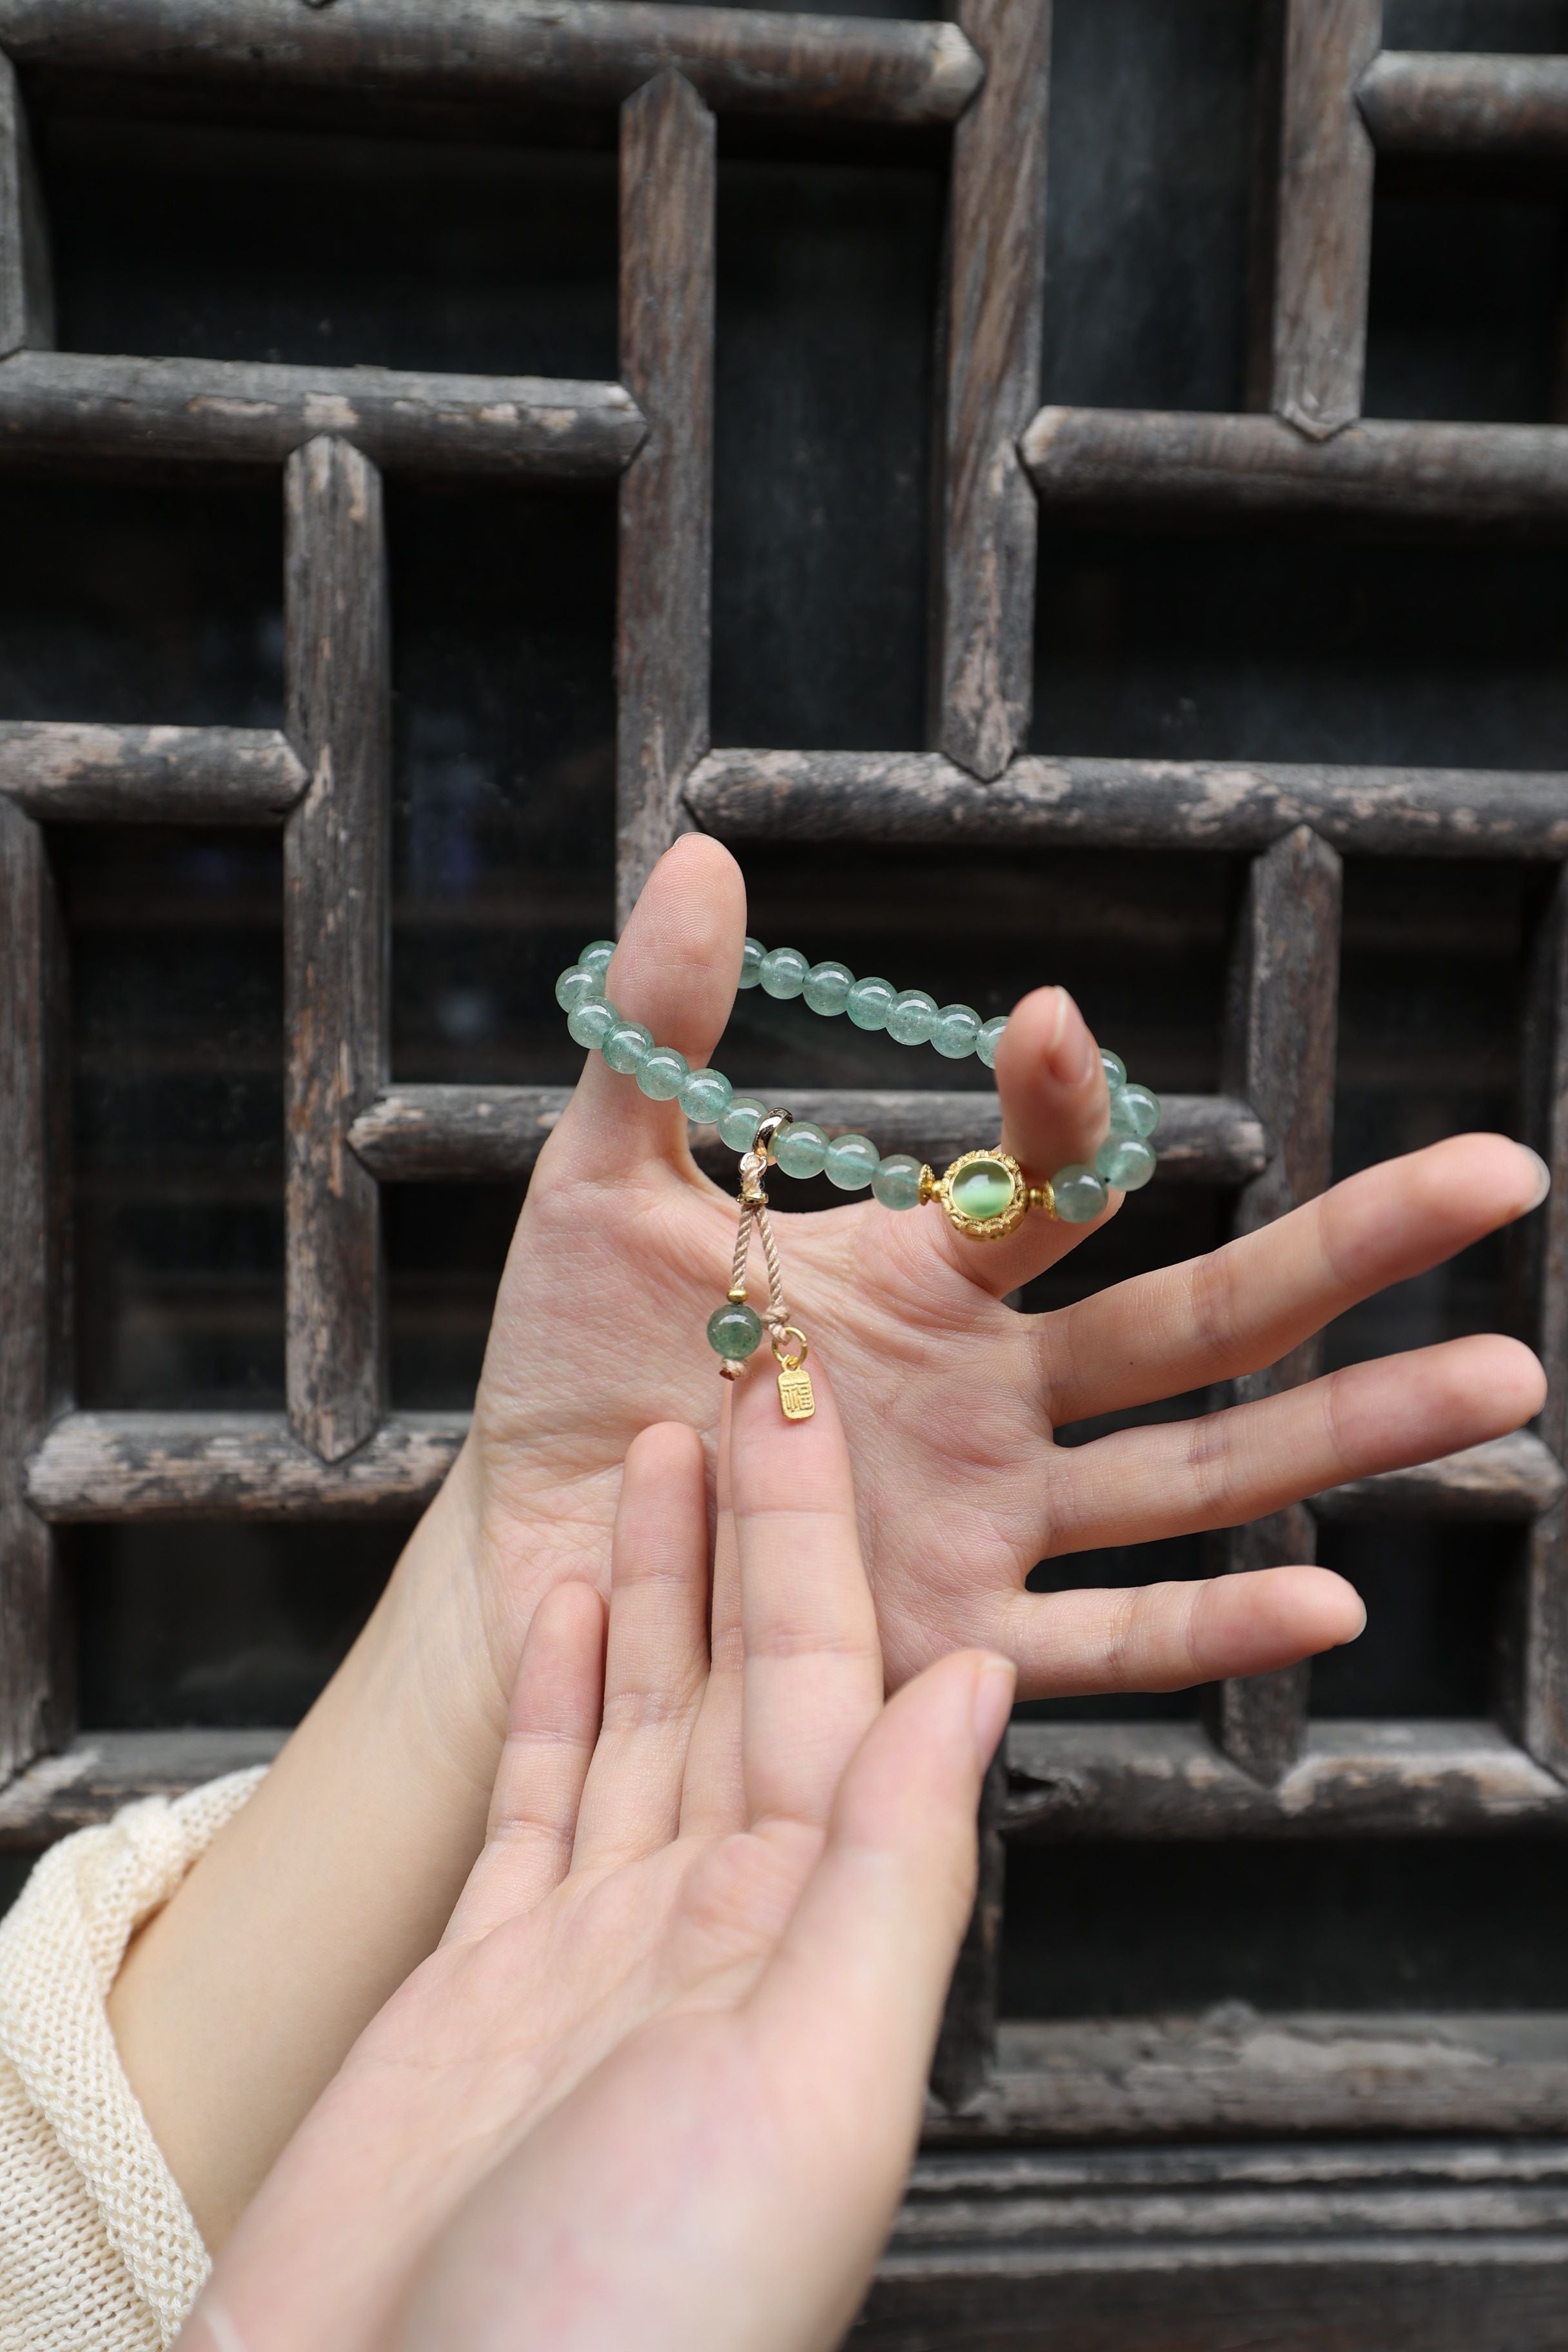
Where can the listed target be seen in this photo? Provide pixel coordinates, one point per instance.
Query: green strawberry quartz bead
(1080, 1194)
(1125, 1161)
(990, 1037)
(956, 1032)
(627, 1047)
(738, 1125)
(897, 1182)
(705, 1096)
(734, 1331)
(1115, 1069)
(589, 1024)
(911, 1017)
(869, 1003)
(752, 963)
(784, 972)
(852, 1162)
(595, 956)
(827, 987)
(576, 987)
(801, 1148)
(1133, 1112)
(662, 1073)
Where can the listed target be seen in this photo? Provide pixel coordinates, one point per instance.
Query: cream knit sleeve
(98, 2249)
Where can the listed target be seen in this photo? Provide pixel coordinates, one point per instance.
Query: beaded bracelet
(984, 1194)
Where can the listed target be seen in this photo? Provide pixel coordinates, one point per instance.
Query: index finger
(812, 1675)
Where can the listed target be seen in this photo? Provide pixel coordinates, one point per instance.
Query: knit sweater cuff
(98, 2249)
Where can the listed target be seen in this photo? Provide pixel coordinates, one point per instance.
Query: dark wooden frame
(1263, 1770)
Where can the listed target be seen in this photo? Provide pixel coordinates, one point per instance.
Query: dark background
(358, 241)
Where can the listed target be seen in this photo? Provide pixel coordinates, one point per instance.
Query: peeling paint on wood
(244, 412)
(209, 1465)
(94, 773)
(918, 797)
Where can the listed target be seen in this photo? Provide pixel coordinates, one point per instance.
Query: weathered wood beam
(1278, 1051)
(1289, 2075)
(26, 291)
(1536, 1654)
(1408, 2245)
(921, 799)
(1322, 215)
(490, 1134)
(594, 53)
(251, 412)
(338, 682)
(994, 292)
(35, 1178)
(205, 1465)
(101, 1770)
(138, 1466)
(668, 182)
(1350, 1780)
(82, 772)
(966, 2043)
(1114, 458)
(1509, 1478)
(1419, 102)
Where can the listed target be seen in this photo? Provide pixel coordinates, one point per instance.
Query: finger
(713, 1799)
(813, 1677)
(1250, 1303)
(1165, 1637)
(1056, 1113)
(553, 1723)
(676, 969)
(1176, 1477)
(865, 1961)
(656, 1659)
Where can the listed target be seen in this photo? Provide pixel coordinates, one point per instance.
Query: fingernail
(1542, 1178)
(1072, 1058)
(994, 1688)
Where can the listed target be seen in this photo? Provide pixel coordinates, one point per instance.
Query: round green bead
(911, 1017)
(576, 986)
(956, 1032)
(705, 1095)
(591, 1024)
(738, 1125)
(984, 1189)
(827, 987)
(990, 1037)
(662, 1073)
(595, 956)
(784, 972)
(852, 1162)
(752, 956)
(1080, 1194)
(1133, 1112)
(627, 1047)
(1115, 1068)
(1125, 1162)
(869, 1003)
(897, 1182)
(801, 1148)
(734, 1331)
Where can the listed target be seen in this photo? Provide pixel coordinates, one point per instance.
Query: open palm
(659, 1811)
(951, 1400)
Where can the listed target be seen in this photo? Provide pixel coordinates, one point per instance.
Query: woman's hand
(951, 1400)
(687, 1999)
(239, 2002)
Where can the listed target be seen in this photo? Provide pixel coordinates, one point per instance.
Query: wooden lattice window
(1243, 860)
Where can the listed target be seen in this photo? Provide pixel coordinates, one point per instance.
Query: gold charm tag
(794, 1382)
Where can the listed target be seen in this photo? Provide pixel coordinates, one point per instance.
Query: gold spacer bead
(930, 1184)
(736, 1293)
(1041, 1196)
